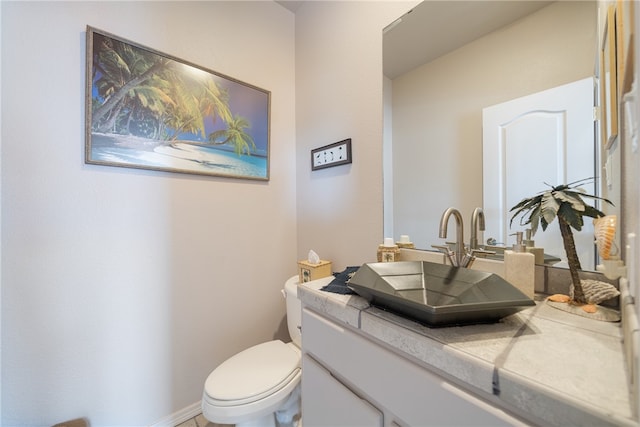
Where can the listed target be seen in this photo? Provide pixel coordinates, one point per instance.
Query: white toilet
(260, 383)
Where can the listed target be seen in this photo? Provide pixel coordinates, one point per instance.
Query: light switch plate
(330, 155)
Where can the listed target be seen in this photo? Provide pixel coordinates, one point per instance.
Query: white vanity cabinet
(350, 380)
(332, 403)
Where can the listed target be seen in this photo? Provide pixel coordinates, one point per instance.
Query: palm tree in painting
(235, 134)
(195, 99)
(214, 101)
(120, 72)
(131, 81)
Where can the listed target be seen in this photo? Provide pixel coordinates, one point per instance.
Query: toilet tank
(294, 310)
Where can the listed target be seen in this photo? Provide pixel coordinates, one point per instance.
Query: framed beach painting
(150, 110)
(609, 80)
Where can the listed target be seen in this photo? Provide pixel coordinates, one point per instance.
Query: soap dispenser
(530, 245)
(519, 266)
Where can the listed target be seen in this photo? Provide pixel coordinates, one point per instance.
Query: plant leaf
(544, 223)
(534, 219)
(570, 197)
(571, 216)
(590, 196)
(549, 208)
(592, 212)
(525, 207)
(522, 203)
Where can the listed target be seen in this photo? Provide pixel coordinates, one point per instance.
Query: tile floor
(201, 421)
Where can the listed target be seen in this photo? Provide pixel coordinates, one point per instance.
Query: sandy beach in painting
(179, 155)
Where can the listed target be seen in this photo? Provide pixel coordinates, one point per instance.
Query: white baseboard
(180, 416)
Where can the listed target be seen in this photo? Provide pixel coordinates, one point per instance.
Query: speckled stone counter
(548, 365)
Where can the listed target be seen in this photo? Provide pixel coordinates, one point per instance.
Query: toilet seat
(253, 374)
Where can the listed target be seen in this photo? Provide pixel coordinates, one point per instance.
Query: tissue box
(308, 272)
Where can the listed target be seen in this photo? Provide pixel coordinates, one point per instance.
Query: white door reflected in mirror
(529, 142)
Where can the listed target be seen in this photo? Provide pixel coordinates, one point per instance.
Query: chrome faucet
(460, 259)
(477, 224)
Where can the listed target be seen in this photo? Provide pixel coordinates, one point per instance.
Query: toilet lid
(253, 372)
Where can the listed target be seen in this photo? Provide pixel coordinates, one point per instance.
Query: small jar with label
(388, 251)
(405, 242)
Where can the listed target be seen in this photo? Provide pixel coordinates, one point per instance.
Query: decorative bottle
(530, 246)
(519, 266)
(388, 251)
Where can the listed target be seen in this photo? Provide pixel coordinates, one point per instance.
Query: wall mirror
(444, 62)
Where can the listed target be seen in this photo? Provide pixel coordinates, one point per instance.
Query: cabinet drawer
(329, 403)
(413, 394)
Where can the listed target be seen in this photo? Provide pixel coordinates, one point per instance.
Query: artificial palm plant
(566, 202)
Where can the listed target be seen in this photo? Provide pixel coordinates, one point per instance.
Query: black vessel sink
(437, 294)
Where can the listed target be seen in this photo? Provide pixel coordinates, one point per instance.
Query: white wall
(123, 289)
(338, 96)
(437, 109)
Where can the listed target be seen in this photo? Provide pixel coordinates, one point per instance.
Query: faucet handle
(482, 252)
(442, 248)
(448, 252)
(493, 242)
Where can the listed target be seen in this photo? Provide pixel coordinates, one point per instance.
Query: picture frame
(149, 110)
(336, 154)
(625, 32)
(609, 79)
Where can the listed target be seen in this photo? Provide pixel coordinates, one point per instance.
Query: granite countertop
(561, 368)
